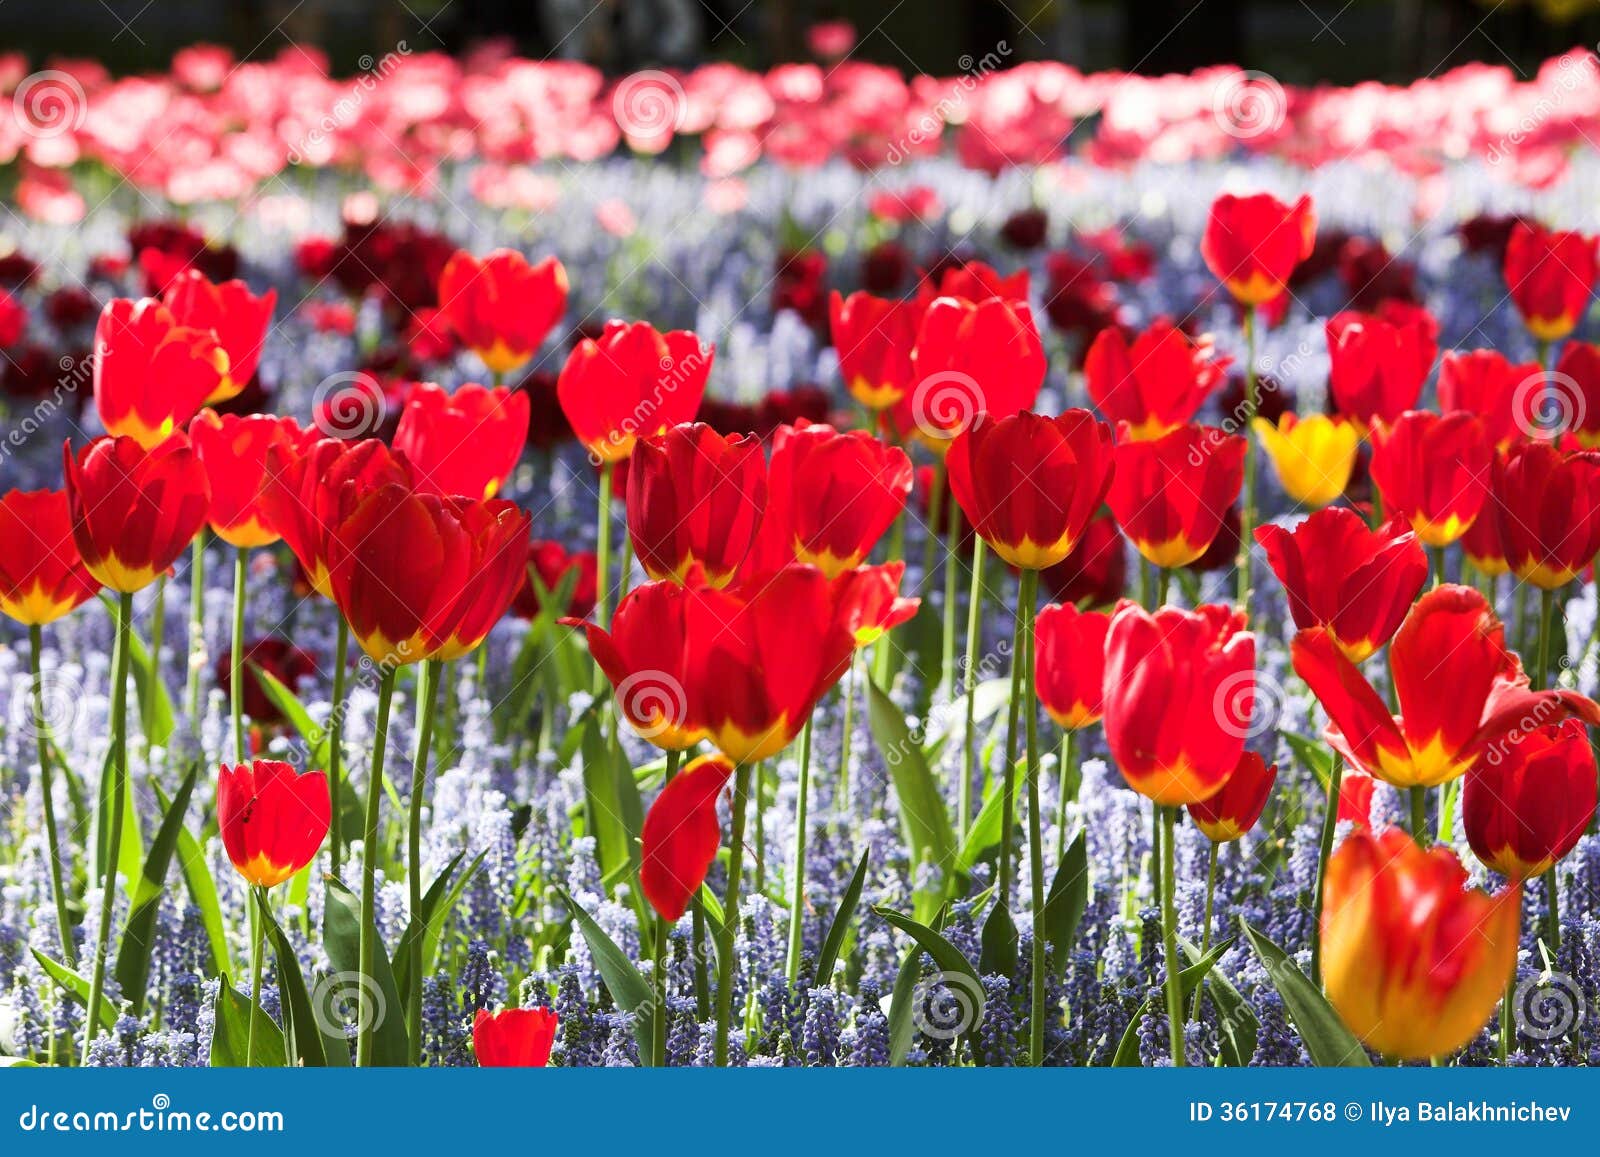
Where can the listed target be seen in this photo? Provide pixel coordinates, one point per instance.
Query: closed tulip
(695, 498)
(630, 383)
(873, 337)
(1379, 361)
(1528, 801)
(1312, 456)
(1434, 471)
(1179, 693)
(971, 358)
(42, 575)
(1070, 662)
(233, 314)
(642, 654)
(1156, 383)
(1412, 961)
(1486, 383)
(234, 451)
(151, 375)
(500, 306)
(467, 442)
(1252, 244)
(1548, 508)
(1550, 275)
(1170, 495)
(680, 836)
(1234, 810)
(514, 1038)
(869, 601)
(1338, 574)
(1577, 378)
(272, 820)
(134, 510)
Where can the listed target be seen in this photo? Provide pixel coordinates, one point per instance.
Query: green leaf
(341, 934)
(77, 988)
(312, 734)
(997, 952)
(901, 1025)
(628, 988)
(202, 890)
(436, 902)
(987, 698)
(1237, 1021)
(17, 1063)
(1314, 754)
(957, 969)
(130, 856)
(307, 1041)
(230, 1040)
(1066, 902)
(1127, 1055)
(133, 958)
(929, 832)
(156, 716)
(840, 925)
(985, 831)
(1326, 1038)
(615, 813)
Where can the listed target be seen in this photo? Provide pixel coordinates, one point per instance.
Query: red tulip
(272, 820)
(681, 835)
(1170, 495)
(1481, 544)
(1157, 383)
(1028, 484)
(1380, 361)
(465, 443)
(1070, 663)
(1234, 810)
(1179, 694)
(1575, 385)
(151, 375)
(975, 281)
(306, 492)
(1485, 383)
(970, 359)
(235, 316)
(1550, 275)
(502, 307)
(1252, 244)
(548, 563)
(1529, 800)
(1095, 574)
(873, 337)
(695, 498)
(134, 510)
(1548, 508)
(630, 383)
(869, 601)
(234, 452)
(514, 1038)
(831, 496)
(1459, 689)
(1433, 470)
(42, 575)
(644, 655)
(1354, 582)
(282, 660)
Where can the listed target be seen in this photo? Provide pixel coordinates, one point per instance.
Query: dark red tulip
(234, 452)
(1549, 512)
(630, 383)
(1550, 275)
(1156, 383)
(151, 375)
(1575, 389)
(42, 575)
(549, 562)
(279, 658)
(501, 307)
(272, 821)
(1170, 495)
(681, 835)
(514, 1037)
(1070, 663)
(237, 318)
(134, 511)
(467, 442)
(1380, 361)
(1234, 810)
(1095, 574)
(1252, 244)
(1529, 799)
(1434, 471)
(695, 498)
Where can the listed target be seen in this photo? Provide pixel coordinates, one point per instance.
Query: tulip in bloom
(272, 820)
(1413, 962)
(501, 306)
(1313, 456)
(1550, 275)
(680, 835)
(630, 383)
(1528, 801)
(1170, 495)
(1459, 688)
(516, 1038)
(42, 576)
(695, 498)
(1433, 470)
(1548, 509)
(1352, 581)
(464, 443)
(1485, 383)
(1252, 244)
(873, 337)
(971, 358)
(229, 311)
(1234, 810)
(234, 450)
(134, 510)
(1156, 383)
(151, 375)
(1029, 484)
(1179, 693)
(869, 601)
(643, 657)
(1380, 361)
(1070, 661)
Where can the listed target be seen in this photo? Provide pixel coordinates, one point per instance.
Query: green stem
(797, 865)
(969, 748)
(602, 551)
(236, 669)
(1419, 816)
(658, 975)
(1169, 936)
(158, 636)
(730, 913)
(842, 805)
(42, 735)
(1205, 929)
(117, 767)
(427, 698)
(1008, 801)
(1066, 793)
(197, 626)
(1438, 566)
(1247, 504)
(1163, 583)
(369, 1014)
(1552, 912)
(258, 930)
(1507, 1016)
(1541, 677)
(1330, 826)
(341, 660)
(930, 541)
(1030, 596)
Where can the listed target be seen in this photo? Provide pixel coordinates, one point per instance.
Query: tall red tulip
(695, 498)
(1550, 275)
(272, 820)
(237, 318)
(970, 358)
(1171, 495)
(501, 307)
(1486, 383)
(134, 510)
(517, 1038)
(1529, 800)
(1234, 810)
(151, 375)
(1156, 383)
(643, 654)
(1548, 509)
(681, 835)
(1575, 386)
(464, 443)
(1380, 360)
(1434, 471)
(1070, 663)
(42, 575)
(873, 337)
(630, 383)
(234, 451)
(1252, 244)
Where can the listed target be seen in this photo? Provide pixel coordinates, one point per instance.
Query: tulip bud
(1234, 810)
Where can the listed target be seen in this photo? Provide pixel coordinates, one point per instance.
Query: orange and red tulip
(501, 307)
(1252, 244)
(272, 820)
(630, 383)
(1170, 495)
(1029, 484)
(234, 450)
(464, 443)
(237, 318)
(681, 835)
(1355, 582)
(1156, 383)
(1434, 470)
(1485, 383)
(695, 498)
(1234, 810)
(873, 337)
(643, 656)
(1379, 361)
(514, 1038)
(134, 510)
(1070, 664)
(151, 375)
(971, 358)
(1529, 800)
(1550, 275)
(1547, 505)
(42, 576)
(1179, 693)
(1413, 962)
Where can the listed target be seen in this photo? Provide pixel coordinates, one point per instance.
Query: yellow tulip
(1313, 456)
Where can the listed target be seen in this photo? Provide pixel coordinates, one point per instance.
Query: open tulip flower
(1170, 495)
(1550, 275)
(501, 307)
(1528, 800)
(1460, 692)
(1355, 582)
(874, 337)
(1548, 512)
(519, 1038)
(1233, 811)
(695, 499)
(1156, 383)
(234, 452)
(151, 375)
(235, 316)
(1252, 244)
(1380, 361)
(970, 358)
(1434, 471)
(272, 819)
(42, 575)
(467, 442)
(1486, 383)
(1313, 456)
(630, 383)
(642, 654)
(870, 601)
(133, 509)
